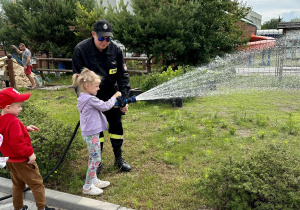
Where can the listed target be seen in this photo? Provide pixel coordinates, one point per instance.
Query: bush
(155, 79)
(134, 65)
(50, 142)
(268, 180)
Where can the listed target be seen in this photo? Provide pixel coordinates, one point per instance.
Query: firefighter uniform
(109, 64)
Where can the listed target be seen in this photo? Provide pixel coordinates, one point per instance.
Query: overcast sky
(287, 9)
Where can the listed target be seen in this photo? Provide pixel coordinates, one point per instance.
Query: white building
(115, 3)
(255, 18)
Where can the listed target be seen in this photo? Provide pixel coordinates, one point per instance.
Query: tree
(271, 24)
(43, 25)
(188, 32)
(147, 30)
(182, 31)
(85, 19)
(295, 20)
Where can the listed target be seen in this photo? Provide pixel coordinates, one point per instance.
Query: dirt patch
(20, 77)
(243, 133)
(289, 108)
(57, 87)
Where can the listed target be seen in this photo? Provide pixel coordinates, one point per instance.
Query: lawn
(170, 149)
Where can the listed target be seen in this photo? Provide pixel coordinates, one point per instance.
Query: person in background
(99, 54)
(26, 56)
(17, 147)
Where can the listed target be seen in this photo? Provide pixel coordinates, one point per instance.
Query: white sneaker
(93, 190)
(102, 184)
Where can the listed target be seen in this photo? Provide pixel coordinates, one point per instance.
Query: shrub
(134, 65)
(179, 124)
(261, 120)
(268, 180)
(291, 126)
(50, 142)
(155, 79)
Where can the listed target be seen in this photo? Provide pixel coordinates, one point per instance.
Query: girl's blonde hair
(86, 76)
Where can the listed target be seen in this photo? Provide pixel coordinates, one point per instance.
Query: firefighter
(99, 54)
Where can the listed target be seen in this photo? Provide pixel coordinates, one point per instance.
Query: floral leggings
(94, 148)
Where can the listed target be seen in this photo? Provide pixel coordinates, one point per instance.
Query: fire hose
(120, 102)
(56, 165)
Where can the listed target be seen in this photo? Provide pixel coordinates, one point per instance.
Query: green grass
(60, 104)
(64, 79)
(170, 149)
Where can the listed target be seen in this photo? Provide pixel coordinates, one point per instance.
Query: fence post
(11, 73)
(40, 66)
(144, 65)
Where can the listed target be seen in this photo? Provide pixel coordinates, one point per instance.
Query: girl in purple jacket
(92, 122)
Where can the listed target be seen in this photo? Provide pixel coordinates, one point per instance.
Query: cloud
(270, 9)
(287, 16)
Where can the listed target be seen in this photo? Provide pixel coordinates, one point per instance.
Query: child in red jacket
(17, 147)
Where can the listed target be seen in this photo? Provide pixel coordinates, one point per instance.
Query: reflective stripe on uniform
(112, 71)
(115, 136)
(101, 139)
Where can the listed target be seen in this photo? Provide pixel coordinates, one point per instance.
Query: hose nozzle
(122, 103)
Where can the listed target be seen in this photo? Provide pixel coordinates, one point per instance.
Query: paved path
(56, 199)
(7, 204)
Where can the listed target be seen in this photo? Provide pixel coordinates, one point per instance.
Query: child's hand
(117, 94)
(32, 159)
(32, 128)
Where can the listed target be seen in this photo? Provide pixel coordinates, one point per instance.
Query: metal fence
(283, 59)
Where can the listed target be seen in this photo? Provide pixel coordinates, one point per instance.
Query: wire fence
(282, 59)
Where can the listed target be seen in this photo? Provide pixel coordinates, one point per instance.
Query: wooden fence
(10, 80)
(41, 67)
(143, 60)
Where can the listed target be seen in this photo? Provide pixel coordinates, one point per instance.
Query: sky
(269, 9)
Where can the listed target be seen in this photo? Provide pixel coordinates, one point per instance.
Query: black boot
(120, 162)
(100, 166)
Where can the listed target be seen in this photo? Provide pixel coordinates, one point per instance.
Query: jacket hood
(82, 100)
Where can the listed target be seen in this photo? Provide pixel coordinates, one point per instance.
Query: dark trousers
(115, 129)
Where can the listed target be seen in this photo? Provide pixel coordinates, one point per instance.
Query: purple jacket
(92, 121)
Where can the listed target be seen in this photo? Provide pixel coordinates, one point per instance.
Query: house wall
(249, 29)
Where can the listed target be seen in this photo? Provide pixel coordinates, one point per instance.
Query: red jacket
(16, 140)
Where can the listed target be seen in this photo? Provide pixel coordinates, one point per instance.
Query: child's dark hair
(86, 76)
